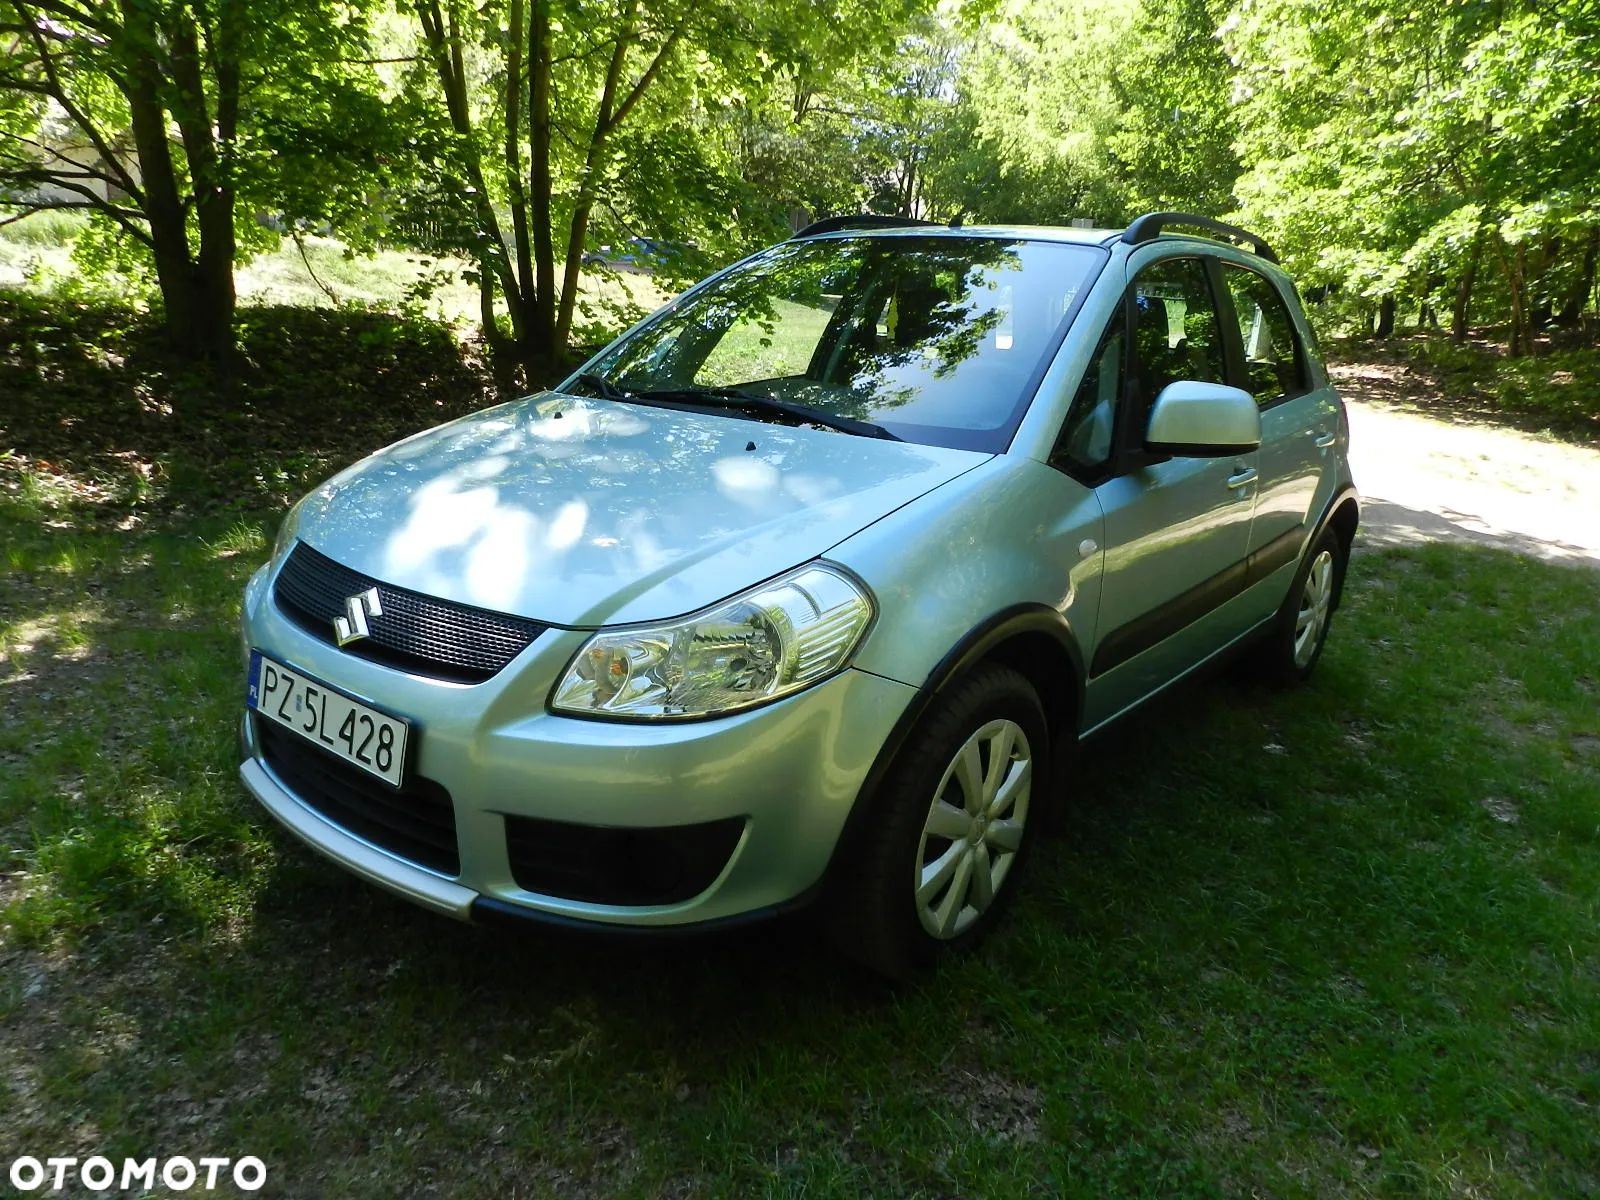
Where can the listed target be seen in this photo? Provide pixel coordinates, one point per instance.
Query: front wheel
(950, 831)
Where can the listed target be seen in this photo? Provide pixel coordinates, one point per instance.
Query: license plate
(341, 725)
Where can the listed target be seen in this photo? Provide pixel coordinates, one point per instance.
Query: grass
(1341, 941)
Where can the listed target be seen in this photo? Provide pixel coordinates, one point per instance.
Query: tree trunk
(198, 307)
(1461, 312)
(1385, 326)
(1519, 319)
(612, 114)
(1583, 287)
(513, 155)
(542, 327)
(443, 37)
(212, 272)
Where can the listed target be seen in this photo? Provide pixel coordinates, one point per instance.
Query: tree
(1174, 138)
(157, 116)
(1409, 157)
(545, 101)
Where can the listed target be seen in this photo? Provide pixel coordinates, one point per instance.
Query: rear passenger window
(1271, 351)
(1177, 335)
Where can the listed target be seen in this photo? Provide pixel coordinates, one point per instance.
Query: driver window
(1177, 335)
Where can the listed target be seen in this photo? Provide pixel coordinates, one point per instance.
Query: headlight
(768, 642)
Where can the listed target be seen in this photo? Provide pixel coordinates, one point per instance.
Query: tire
(1289, 651)
(945, 819)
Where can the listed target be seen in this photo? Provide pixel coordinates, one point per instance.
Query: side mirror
(1191, 419)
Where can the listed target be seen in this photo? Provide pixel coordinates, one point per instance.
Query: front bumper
(789, 772)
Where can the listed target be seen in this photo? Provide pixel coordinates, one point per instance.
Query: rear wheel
(1290, 650)
(949, 831)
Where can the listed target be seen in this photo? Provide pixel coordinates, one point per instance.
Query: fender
(1342, 493)
(1018, 620)
(1345, 493)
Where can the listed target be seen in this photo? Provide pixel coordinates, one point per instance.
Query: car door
(1177, 529)
(1299, 426)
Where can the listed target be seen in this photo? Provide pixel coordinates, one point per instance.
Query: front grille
(415, 633)
(417, 822)
(602, 865)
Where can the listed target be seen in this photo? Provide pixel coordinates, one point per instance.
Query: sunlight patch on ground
(1473, 483)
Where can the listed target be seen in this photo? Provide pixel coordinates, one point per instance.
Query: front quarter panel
(1011, 532)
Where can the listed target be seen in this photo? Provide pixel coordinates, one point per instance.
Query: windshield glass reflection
(935, 338)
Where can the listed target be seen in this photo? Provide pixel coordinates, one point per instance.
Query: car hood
(582, 512)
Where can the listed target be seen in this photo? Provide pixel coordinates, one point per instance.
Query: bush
(1563, 388)
(1557, 390)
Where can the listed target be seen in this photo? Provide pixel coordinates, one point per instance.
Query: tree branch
(647, 78)
(58, 93)
(300, 245)
(81, 170)
(87, 17)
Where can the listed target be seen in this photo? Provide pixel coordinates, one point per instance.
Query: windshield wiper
(603, 387)
(766, 407)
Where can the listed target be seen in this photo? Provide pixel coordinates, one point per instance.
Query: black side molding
(1156, 626)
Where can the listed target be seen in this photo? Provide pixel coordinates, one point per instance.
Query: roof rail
(861, 221)
(1148, 227)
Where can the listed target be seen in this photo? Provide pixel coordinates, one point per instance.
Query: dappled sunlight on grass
(242, 537)
(1340, 940)
(117, 438)
(1336, 941)
(117, 667)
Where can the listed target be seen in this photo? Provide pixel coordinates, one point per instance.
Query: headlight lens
(773, 640)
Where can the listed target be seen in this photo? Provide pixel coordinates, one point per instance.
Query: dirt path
(1427, 479)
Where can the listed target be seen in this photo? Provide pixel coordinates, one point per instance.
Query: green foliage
(1436, 165)
(1411, 155)
(164, 118)
(1557, 391)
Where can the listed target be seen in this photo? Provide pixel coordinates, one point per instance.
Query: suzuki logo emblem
(352, 627)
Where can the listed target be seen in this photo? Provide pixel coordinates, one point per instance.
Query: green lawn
(1344, 941)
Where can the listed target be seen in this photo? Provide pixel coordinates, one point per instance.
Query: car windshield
(938, 339)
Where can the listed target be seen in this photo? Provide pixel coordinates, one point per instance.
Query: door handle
(1322, 439)
(1242, 477)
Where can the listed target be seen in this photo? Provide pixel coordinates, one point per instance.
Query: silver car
(799, 591)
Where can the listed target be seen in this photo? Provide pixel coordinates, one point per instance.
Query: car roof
(1032, 233)
(1109, 239)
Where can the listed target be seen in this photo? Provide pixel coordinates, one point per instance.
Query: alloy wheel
(1316, 601)
(974, 829)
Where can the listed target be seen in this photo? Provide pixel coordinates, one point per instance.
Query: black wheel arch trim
(1345, 494)
(975, 647)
